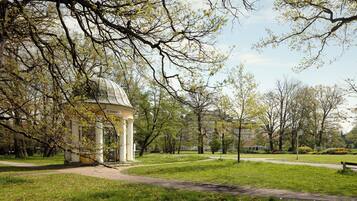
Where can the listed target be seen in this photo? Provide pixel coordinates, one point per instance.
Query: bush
(347, 171)
(337, 151)
(215, 145)
(304, 150)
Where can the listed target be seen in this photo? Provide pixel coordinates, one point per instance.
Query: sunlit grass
(36, 159)
(76, 187)
(169, 158)
(265, 175)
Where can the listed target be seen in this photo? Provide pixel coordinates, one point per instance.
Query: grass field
(192, 156)
(309, 158)
(296, 178)
(36, 159)
(169, 158)
(28, 186)
(189, 167)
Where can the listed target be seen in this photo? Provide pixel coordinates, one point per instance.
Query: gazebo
(113, 141)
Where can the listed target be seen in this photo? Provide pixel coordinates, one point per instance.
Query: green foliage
(337, 151)
(304, 150)
(215, 145)
(352, 137)
(347, 171)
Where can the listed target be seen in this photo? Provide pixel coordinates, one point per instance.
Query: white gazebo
(113, 142)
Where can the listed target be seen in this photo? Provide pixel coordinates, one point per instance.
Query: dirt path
(117, 174)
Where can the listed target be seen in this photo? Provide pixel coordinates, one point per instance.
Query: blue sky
(275, 63)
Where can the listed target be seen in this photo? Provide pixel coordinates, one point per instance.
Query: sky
(271, 64)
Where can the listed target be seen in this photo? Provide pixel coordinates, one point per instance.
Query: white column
(130, 141)
(99, 141)
(75, 141)
(123, 142)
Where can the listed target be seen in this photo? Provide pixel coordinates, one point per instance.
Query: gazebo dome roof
(105, 91)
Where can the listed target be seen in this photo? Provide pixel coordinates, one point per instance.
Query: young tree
(157, 112)
(223, 125)
(244, 106)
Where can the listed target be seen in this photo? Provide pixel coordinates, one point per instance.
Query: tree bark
(271, 143)
(200, 135)
(224, 150)
(239, 139)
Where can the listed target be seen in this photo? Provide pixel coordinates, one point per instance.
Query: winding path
(117, 174)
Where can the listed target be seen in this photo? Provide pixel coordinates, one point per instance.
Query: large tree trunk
(293, 139)
(180, 142)
(200, 149)
(320, 133)
(19, 141)
(281, 139)
(271, 142)
(224, 149)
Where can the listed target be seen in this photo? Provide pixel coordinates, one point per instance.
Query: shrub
(339, 151)
(304, 150)
(215, 145)
(347, 171)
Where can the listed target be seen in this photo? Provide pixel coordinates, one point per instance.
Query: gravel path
(117, 174)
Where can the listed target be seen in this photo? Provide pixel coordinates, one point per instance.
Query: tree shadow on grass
(147, 192)
(182, 169)
(10, 180)
(35, 168)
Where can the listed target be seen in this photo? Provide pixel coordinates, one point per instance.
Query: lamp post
(299, 133)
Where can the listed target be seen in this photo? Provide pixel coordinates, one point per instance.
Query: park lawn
(264, 175)
(309, 158)
(76, 187)
(36, 159)
(169, 158)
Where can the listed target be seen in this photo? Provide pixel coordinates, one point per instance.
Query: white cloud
(254, 59)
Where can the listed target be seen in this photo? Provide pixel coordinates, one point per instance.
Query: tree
(269, 117)
(215, 144)
(352, 137)
(285, 90)
(199, 99)
(42, 43)
(244, 106)
(314, 26)
(223, 125)
(157, 110)
(329, 98)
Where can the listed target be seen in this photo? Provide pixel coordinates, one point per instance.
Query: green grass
(76, 187)
(169, 158)
(36, 159)
(310, 158)
(265, 175)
